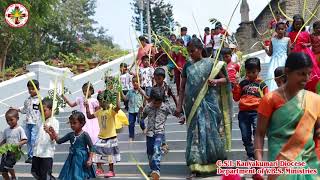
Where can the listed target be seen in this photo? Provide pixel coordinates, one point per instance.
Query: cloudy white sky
(115, 15)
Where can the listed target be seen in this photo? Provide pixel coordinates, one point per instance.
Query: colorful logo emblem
(16, 15)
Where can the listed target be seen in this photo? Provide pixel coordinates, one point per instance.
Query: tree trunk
(3, 54)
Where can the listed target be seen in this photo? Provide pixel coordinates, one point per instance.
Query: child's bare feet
(155, 175)
(130, 140)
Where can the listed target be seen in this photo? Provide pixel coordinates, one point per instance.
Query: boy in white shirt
(32, 110)
(146, 75)
(126, 81)
(43, 151)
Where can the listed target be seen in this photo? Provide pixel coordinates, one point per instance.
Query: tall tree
(161, 17)
(54, 26)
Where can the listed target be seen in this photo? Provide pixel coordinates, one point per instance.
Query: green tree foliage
(54, 26)
(161, 17)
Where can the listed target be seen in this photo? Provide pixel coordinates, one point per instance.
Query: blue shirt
(186, 39)
(135, 101)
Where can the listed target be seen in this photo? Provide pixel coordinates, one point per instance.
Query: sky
(116, 16)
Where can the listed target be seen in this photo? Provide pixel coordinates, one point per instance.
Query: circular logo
(16, 15)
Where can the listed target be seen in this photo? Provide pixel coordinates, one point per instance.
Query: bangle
(257, 150)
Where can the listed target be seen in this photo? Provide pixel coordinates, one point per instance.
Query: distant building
(247, 35)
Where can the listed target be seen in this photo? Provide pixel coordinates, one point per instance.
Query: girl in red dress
(302, 44)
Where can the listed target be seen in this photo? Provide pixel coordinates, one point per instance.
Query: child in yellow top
(107, 146)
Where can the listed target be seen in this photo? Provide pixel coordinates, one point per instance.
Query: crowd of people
(282, 107)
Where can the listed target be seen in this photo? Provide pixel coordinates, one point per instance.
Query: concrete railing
(14, 91)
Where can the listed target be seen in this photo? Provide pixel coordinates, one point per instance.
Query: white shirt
(234, 58)
(15, 135)
(217, 41)
(31, 108)
(146, 76)
(44, 147)
(208, 41)
(126, 81)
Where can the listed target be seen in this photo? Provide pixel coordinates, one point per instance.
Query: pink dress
(304, 37)
(92, 125)
(143, 51)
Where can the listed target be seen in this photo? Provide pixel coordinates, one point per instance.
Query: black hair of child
(172, 35)
(295, 19)
(160, 72)
(279, 73)
(298, 60)
(225, 51)
(77, 115)
(180, 41)
(85, 85)
(35, 82)
(316, 24)
(252, 63)
(280, 23)
(184, 29)
(12, 113)
(47, 102)
(142, 39)
(123, 65)
(145, 58)
(157, 94)
(206, 29)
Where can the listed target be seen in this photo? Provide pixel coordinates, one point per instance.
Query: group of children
(94, 137)
(146, 96)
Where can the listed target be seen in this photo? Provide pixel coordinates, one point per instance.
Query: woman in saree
(290, 116)
(205, 94)
(301, 42)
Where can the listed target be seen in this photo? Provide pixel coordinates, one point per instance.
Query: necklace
(284, 94)
(75, 137)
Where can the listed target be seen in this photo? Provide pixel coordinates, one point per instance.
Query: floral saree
(209, 117)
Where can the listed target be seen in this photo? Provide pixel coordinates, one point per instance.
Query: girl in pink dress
(145, 49)
(302, 44)
(91, 126)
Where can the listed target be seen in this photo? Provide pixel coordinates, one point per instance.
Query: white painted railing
(14, 91)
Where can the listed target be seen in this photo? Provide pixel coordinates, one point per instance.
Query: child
(146, 75)
(91, 126)
(125, 79)
(135, 100)
(180, 61)
(183, 35)
(12, 135)
(78, 165)
(232, 67)
(248, 92)
(278, 50)
(279, 76)
(107, 146)
(157, 113)
(315, 41)
(44, 147)
(31, 109)
(207, 40)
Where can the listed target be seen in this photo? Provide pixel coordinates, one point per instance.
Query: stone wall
(246, 33)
